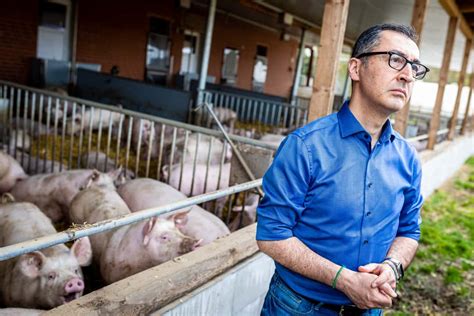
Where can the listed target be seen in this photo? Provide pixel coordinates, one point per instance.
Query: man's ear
(354, 66)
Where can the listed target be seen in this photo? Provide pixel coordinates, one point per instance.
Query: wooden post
(332, 38)
(417, 20)
(462, 75)
(466, 114)
(443, 76)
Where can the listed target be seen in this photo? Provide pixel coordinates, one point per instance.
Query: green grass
(440, 280)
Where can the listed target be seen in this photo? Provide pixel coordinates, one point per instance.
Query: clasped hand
(373, 286)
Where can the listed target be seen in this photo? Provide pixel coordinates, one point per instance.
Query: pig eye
(51, 276)
(75, 271)
(164, 237)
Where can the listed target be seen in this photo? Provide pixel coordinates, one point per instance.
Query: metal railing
(259, 113)
(50, 132)
(11, 251)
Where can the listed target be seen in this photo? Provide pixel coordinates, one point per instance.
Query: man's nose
(407, 73)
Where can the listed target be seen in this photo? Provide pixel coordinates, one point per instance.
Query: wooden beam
(417, 20)
(147, 291)
(443, 76)
(462, 75)
(452, 9)
(332, 37)
(466, 114)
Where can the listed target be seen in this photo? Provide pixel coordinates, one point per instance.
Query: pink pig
(40, 279)
(129, 249)
(140, 194)
(53, 193)
(10, 172)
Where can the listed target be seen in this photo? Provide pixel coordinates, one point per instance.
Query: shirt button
(369, 213)
(369, 185)
(366, 242)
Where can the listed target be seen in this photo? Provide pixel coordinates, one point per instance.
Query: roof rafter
(451, 7)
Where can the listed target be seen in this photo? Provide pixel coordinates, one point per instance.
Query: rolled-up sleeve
(285, 185)
(410, 218)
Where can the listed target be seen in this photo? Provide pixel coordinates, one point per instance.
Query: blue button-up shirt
(346, 201)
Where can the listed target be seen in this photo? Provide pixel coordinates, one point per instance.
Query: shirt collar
(349, 125)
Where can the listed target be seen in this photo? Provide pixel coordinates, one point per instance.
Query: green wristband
(334, 281)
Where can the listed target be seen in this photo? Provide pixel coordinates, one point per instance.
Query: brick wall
(115, 33)
(229, 32)
(18, 34)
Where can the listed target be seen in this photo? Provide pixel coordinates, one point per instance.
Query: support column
(443, 76)
(206, 51)
(332, 37)
(466, 114)
(299, 65)
(417, 20)
(462, 75)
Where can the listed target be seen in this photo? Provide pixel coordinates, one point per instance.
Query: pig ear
(82, 250)
(147, 228)
(31, 263)
(114, 174)
(180, 219)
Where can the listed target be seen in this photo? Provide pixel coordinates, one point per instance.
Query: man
(341, 210)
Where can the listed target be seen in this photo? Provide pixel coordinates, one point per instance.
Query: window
(307, 70)
(230, 66)
(53, 30)
(260, 69)
(53, 15)
(189, 53)
(158, 51)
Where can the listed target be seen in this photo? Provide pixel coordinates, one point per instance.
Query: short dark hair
(370, 37)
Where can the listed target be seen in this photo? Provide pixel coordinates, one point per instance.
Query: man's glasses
(398, 62)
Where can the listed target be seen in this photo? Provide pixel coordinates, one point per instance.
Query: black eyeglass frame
(390, 53)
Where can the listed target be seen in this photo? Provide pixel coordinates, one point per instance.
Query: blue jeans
(283, 301)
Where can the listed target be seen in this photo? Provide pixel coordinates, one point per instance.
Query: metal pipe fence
(50, 132)
(11, 251)
(260, 114)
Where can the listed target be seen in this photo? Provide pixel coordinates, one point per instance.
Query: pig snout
(73, 288)
(189, 244)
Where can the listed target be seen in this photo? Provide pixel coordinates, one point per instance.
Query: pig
(202, 155)
(10, 172)
(201, 183)
(129, 249)
(148, 129)
(19, 139)
(144, 193)
(54, 192)
(57, 113)
(272, 139)
(212, 183)
(40, 279)
(247, 213)
(104, 163)
(89, 119)
(226, 116)
(44, 165)
(34, 128)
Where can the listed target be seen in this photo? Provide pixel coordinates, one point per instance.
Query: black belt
(347, 310)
